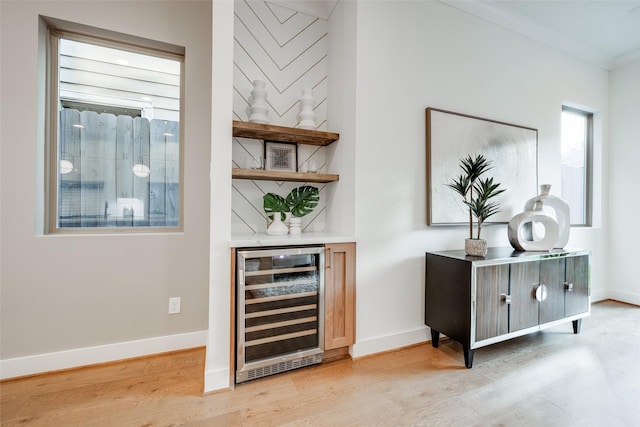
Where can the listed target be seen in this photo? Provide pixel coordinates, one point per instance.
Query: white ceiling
(603, 32)
(612, 26)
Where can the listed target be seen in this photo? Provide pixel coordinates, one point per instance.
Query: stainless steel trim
(280, 297)
(280, 324)
(280, 337)
(280, 311)
(521, 332)
(293, 359)
(279, 284)
(280, 271)
(271, 366)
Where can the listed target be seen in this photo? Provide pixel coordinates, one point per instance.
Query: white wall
(288, 51)
(623, 185)
(218, 368)
(104, 297)
(411, 55)
(397, 59)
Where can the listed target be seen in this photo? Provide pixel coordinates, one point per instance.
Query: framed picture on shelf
(280, 156)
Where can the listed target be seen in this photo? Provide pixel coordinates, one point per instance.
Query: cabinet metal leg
(468, 356)
(577, 324)
(435, 338)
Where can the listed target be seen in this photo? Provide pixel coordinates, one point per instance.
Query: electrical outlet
(174, 305)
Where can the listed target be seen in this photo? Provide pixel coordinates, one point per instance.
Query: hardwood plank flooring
(550, 378)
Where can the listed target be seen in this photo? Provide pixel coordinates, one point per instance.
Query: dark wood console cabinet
(479, 301)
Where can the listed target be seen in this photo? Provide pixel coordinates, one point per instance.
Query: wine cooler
(280, 310)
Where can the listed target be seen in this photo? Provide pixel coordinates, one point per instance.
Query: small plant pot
(475, 247)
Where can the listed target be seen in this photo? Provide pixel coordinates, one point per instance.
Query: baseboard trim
(628, 297)
(597, 296)
(390, 342)
(60, 360)
(217, 380)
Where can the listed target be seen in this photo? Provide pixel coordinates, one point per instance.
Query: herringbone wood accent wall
(288, 51)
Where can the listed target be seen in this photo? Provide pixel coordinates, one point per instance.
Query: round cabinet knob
(541, 293)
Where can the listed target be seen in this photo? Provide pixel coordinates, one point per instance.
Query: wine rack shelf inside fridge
(280, 320)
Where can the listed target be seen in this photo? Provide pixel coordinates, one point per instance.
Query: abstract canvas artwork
(512, 150)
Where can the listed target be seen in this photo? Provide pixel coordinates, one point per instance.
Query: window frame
(588, 163)
(57, 30)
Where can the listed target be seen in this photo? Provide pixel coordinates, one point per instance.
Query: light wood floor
(551, 378)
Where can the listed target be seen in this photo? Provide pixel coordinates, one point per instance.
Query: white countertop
(309, 238)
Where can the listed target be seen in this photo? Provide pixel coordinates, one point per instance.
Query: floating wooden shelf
(283, 134)
(270, 175)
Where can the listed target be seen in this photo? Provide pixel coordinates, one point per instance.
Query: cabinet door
(524, 278)
(492, 282)
(340, 284)
(577, 285)
(552, 273)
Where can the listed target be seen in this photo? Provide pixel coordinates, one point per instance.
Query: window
(577, 135)
(114, 120)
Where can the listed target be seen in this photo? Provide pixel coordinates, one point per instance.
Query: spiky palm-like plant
(479, 204)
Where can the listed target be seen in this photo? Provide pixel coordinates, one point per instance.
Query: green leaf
(481, 205)
(274, 203)
(473, 168)
(302, 200)
(460, 185)
(475, 191)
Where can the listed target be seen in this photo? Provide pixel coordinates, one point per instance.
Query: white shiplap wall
(288, 51)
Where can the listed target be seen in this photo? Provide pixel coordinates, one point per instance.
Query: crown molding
(319, 8)
(493, 12)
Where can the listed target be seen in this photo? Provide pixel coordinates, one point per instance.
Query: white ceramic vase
(520, 226)
(295, 225)
(277, 227)
(307, 116)
(560, 210)
(258, 103)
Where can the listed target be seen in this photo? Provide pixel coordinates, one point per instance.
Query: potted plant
(276, 209)
(299, 202)
(478, 195)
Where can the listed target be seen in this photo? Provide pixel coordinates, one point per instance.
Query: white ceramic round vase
(277, 227)
(518, 234)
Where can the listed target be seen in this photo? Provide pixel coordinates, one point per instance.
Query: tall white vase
(560, 210)
(258, 109)
(307, 116)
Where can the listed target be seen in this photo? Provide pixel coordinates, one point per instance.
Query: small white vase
(277, 227)
(258, 110)
(295, 225)
(475, 247)
(307, 116)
